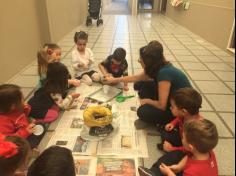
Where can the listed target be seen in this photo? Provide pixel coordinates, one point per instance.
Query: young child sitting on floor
(54, 161)
(14, 154)
(185, 105)
(200, 137)
(82, 60)
(53, 92)
(14, 115)
(50, 53)
(115, 66)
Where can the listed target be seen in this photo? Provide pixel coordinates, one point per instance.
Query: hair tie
(7, 149)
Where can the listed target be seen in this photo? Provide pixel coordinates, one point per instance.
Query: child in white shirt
(82, 60)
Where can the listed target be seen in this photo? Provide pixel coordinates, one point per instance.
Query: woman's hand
(166, 170)
(145, 101)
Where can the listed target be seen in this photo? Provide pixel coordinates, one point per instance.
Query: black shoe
(145, 171)
(160, 146)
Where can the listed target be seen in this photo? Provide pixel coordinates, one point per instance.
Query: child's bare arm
(103, 70)
(180, 166)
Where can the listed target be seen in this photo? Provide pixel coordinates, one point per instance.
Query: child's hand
(108, 75)
(166, 170)
(169, 127)
(167, 146)
(74, 82)
(175, 168)
(126, 88)
(109, 80)
(75, 95)
(30, 128)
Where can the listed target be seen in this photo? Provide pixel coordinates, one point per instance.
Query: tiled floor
(210, 70)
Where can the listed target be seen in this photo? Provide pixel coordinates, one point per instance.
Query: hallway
(210, 69)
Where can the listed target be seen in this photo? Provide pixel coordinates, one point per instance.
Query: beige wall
(20, 36)
(26, 25)
(211, 19)
(65, 15)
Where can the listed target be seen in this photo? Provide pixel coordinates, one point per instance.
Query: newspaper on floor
(72, 140)
(105, 166)
(116, 166)
(85, 165)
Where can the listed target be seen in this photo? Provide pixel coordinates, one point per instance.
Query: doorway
(116, 7)
(145, 4)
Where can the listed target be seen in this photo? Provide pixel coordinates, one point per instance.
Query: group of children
(188, 139)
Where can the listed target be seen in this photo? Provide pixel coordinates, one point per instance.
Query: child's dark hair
(153, 58)
(42, 56)
(202, 134)
(189, 99)
(54, 161)
(81, 35)
(119, 54)
(10, 94)
(9, 165)
(57, 78)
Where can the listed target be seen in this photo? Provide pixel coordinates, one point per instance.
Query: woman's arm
(163, 94)
(133, 78)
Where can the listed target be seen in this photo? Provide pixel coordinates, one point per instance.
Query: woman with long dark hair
(159, 80)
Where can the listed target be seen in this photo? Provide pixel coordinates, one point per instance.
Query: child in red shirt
(14, 114)
(200, 136)
(185, 105)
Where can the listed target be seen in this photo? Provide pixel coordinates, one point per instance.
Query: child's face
(55, 56)
(81, 45)
(174, 109)
(115, 62)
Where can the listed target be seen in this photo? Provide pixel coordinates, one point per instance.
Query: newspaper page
(85, 165)
(107, 166)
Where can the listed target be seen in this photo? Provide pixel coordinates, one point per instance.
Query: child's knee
(96, 77)
(87, 80)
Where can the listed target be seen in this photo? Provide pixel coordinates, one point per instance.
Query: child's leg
(86, 79)
(51, 115)
(172, 137)
(169, 159)
(96, 77)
